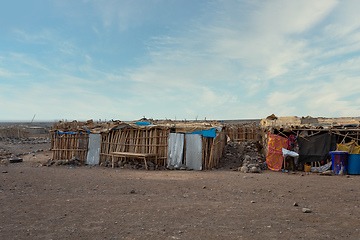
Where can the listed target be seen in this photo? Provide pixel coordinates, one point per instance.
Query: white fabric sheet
(175, 149)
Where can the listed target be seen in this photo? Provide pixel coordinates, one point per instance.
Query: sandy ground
(59, 202)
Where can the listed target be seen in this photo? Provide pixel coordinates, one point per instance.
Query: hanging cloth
(274, 158)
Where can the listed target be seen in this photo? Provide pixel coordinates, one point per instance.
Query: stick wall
(213, 149)
(152, 140)
(242, 132)
(67, 146)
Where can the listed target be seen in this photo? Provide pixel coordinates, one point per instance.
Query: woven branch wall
(243, 132)
(67, 146)
(213, 149)
(153, 140)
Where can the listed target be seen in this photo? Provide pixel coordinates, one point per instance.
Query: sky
(178, 59)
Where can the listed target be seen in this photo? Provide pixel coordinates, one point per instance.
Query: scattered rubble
(327, 173)
(129, 164)
(73, 162)
(26, 140)
(243, 156)
(11, 148)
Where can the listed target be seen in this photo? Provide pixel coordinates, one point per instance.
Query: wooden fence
(213, 149)
(14, 132)
(152, 140)
(243, 132)
(67, 146)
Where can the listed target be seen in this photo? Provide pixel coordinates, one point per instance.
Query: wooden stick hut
(305, 129)
(72, 140)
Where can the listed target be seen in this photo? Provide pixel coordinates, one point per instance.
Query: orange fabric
(274, 158)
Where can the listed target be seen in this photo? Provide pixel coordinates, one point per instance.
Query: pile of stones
(72, 162)
(243, 156)
(232, 157)
(131, 165)
(254, 161)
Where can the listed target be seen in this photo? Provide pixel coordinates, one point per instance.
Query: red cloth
(274, 158)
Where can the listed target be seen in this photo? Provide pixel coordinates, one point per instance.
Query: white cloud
(8, 74)
(28, 60)
(238, 59)
(290, 17)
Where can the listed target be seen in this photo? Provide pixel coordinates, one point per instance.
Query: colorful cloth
(292, 142)
(351, 147)
(274, 158)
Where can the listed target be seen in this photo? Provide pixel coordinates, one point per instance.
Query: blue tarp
(206, 133)
(68, 132)
(60, 133)
(143, 123)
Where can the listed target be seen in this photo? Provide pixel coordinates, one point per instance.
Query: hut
(194, 145)
(312, 138)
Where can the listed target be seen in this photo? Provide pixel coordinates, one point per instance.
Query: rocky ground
(83, 202)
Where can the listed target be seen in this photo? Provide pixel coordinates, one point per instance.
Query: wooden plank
(130, 154)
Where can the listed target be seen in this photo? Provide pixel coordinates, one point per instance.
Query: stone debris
(181, 167)
(327, 173)
(132, 164)
(243, 156)
(306, 210)
(26, 140)
(255, 170)
(296, 204)
(73, 162)
(6, 155)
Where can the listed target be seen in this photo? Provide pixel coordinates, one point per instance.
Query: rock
(255, 170)
(244, 169)
(327, 173)
(306, 210)
(253, 202)
(132, 191)
(296, 204)
(247, 158)
(4, 171)
(171, 167)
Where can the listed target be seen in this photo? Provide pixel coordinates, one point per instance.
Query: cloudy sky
(183, 59)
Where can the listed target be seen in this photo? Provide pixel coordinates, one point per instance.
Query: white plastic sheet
(289, 153)
(93, 155)
(194, 151)
(175, 149)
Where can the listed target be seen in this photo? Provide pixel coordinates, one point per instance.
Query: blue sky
(218, 59)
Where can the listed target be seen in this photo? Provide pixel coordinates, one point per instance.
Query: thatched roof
(103, 127)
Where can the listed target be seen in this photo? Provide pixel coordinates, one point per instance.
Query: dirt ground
(60, 202)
